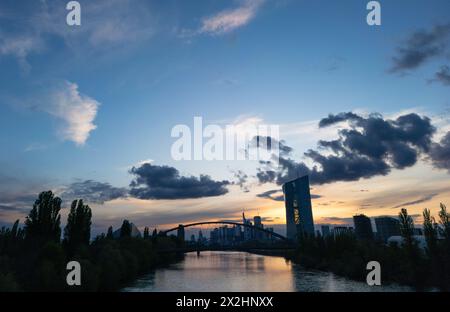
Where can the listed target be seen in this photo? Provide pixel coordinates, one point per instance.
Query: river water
(241, 271)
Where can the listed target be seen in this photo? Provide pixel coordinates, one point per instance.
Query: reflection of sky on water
(239, 271)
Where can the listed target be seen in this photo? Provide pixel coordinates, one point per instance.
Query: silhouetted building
(363, 227)
(214, 236)
(257, 222)
(387, 227)
(180, 232)
(325, 230)
(248, 231)
(342, 230)
(299, 218)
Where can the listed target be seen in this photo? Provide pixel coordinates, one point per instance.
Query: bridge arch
(228, 223)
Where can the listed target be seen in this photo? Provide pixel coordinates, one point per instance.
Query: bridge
(181, 226)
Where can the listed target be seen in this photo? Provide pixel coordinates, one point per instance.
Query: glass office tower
(297, 198)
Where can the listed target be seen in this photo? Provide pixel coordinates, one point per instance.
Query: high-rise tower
(297, 198)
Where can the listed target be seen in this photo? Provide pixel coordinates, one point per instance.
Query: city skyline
(87, 112)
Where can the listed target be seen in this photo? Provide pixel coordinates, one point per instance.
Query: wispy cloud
(76, 111)
(229, 20)
(420, 47)
(20, 47)
(226, 20)
(104, 24)
(443, 75)
(417, 201)
(36, 146)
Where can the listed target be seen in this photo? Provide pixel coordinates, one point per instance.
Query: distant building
(180, 232)
(201, 239)
(417, 232)
(342, 230)
(299, 217)
(363, 227)
(257, 222)
(214, 236)
(325, 229)
(248, 231)
(399, 240)
(387, 227)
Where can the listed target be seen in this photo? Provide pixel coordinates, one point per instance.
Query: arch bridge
(182, 226)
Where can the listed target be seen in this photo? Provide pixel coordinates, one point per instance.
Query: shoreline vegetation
(34, 257)
(405, 264)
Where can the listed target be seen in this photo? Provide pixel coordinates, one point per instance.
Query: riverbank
(348, 257)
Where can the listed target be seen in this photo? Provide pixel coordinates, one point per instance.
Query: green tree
(109, 234)
(429, 230)
(44, 221)
(444, 220)
(406, 227)
(146, 233)
(78, 229)
(125, 230)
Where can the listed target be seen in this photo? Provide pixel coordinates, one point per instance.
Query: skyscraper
(363, 227)
(387, 227)
(258, 224)
(297, 198)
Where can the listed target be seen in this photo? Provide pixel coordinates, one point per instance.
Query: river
(240, 271)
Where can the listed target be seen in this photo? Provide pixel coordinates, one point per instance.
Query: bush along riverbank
(34, 257)
(407, 263)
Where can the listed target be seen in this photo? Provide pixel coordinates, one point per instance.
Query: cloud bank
(164, 182)
(93, 192)
(370, 146)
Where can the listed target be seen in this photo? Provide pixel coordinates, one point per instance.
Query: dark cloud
(443, 75)
(9, 208)
(164, 182)
(418, 201)
(332, 119)
(420, 47)
(267, 142)
(269, 195)
(440, 153)
(92, 192)
(372, 146)
(241, 179)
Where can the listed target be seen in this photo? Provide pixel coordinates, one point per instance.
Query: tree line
(34, 257)
(404, 263)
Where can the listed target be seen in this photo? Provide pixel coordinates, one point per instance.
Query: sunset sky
(87, 111)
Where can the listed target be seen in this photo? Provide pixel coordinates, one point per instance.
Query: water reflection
(240, 271)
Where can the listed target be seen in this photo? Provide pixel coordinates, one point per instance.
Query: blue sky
(88, 102)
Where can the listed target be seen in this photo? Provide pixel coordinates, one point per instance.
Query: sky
(87, 111)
